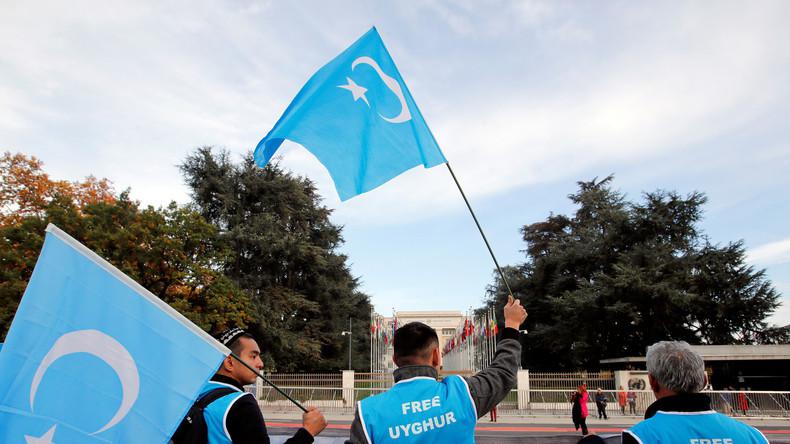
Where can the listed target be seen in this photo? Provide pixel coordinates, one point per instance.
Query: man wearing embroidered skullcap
(236, 417)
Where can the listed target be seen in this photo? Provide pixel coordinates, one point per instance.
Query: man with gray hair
(681, 414)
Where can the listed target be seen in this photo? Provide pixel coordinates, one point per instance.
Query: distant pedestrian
(600, 403)
(631, 402)
(743, 403)
(579, 408)
(492, 414)
(621, 400)
(728, 400)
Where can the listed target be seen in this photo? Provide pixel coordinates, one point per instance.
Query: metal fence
(537, 402)
(373, 380)
(334, 380)
(548, 395)
(571, 380)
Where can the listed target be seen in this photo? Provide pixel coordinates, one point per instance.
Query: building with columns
(444, 322)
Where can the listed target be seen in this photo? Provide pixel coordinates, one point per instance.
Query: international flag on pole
(93, 357)
(356, 116)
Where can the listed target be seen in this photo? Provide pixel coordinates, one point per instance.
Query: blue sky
(525, 98)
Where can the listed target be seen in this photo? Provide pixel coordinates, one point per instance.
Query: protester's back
(710, 426)
(681, 414)
(442, 412)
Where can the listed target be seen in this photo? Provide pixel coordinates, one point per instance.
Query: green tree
(169, 251)
(618, 276)
(285, 256)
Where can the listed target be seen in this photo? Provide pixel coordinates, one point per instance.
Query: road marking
(512, 428)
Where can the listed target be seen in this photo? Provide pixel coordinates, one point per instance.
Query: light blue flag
(92, 357)
(359, 119)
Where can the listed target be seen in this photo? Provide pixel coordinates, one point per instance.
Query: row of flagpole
(382, 331)
(473, 345)
(471, 348)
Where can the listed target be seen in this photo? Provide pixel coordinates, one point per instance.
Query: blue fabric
(695, 428)
(356, 116)
(92, 357)
(421, 410)
(215, 413)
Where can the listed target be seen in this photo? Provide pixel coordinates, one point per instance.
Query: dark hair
(236, 346)
(231, 338)
(413, 344)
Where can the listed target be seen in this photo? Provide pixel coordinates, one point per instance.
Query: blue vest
(706, 427)
(216, 413)
(420, 410)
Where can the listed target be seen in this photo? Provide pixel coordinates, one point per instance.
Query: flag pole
(265, 379)
(480, 229)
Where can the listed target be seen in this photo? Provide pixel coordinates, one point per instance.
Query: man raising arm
(418, 407)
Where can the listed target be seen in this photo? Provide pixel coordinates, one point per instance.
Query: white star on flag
(44, 439)
(357, 91)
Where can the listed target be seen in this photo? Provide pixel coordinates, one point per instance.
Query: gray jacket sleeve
(357, 433)
(490, 386)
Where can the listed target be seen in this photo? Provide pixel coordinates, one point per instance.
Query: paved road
(490, 433)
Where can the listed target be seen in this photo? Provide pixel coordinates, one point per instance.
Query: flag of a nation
(356, 116)
(92, 357)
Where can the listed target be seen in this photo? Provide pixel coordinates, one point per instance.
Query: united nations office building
(444, 322)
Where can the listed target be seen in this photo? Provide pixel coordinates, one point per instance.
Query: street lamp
(344, 333)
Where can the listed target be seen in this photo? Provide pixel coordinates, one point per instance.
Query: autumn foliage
(170, 251)
(26, 190)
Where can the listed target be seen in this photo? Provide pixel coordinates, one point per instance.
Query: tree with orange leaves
(26, 190)
(170, 251)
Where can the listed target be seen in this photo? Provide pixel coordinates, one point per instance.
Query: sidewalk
(615, 421)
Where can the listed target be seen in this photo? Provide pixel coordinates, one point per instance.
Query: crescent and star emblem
(103, 347)
(358, 92)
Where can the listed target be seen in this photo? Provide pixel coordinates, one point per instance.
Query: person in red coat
(579, 409)
(621, 399)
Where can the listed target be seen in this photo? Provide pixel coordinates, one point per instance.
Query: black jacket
(246, 424)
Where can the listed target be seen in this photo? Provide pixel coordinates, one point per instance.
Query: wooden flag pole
(265, 379)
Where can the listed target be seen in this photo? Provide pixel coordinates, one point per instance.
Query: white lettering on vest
(420, 406)
(710, 441)
(429, 424)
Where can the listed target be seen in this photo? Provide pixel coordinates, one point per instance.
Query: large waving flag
(358, 118)
(92, 356)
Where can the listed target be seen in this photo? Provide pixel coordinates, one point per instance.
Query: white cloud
(649, 98)
(781, 317)
(773, 253)
(556, 91)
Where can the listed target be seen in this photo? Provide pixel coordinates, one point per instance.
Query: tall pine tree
(618, 276)
(285, 256)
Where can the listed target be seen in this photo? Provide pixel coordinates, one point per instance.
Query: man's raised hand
(515, 314)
